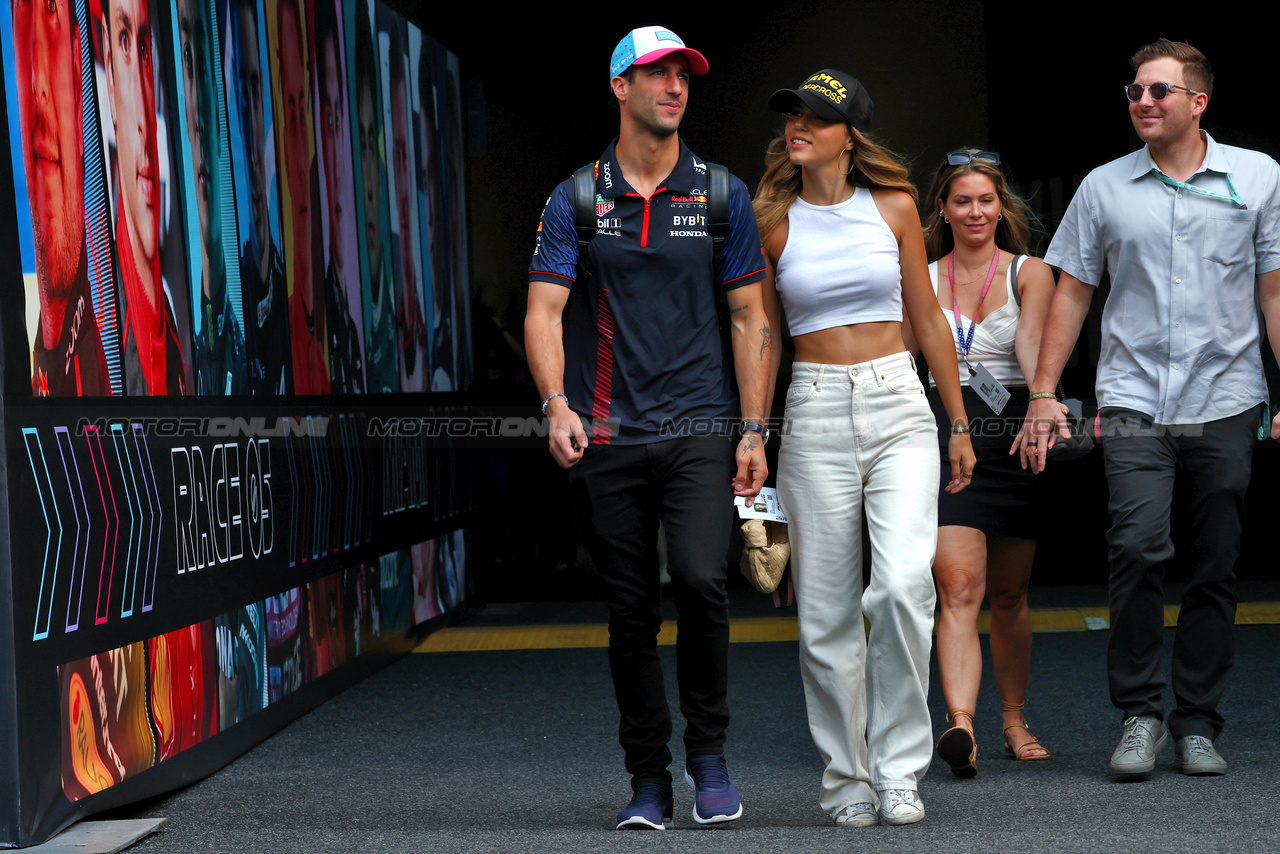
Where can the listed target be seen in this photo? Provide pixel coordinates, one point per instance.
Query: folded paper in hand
(763, 506)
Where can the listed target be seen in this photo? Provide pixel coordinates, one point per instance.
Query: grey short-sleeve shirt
(1181, 327)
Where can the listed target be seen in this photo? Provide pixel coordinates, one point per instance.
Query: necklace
(978, 277)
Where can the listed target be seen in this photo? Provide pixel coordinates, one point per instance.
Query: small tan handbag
(765, 552)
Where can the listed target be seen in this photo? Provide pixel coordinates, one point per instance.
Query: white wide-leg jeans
(862, 441)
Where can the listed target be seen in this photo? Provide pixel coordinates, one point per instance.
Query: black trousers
(1210, 464)
(620, 493)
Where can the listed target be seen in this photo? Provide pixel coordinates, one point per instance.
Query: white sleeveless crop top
(994, 339)
(840, 265)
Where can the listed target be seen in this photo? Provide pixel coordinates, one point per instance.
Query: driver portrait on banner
(150, 256)
(63, 238)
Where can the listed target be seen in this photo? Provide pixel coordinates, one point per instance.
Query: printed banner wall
(235, 197)
(260, 201)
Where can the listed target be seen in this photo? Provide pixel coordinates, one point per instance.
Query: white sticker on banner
(763, 506)
(988, 388)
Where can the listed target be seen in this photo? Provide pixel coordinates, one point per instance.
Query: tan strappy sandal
(957, 746)
(1034, 744)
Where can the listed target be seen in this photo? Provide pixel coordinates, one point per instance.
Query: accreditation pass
(988, 387)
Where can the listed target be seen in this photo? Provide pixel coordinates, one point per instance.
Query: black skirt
(1003, 499)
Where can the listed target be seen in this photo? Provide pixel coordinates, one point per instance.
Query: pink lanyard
(967, 340)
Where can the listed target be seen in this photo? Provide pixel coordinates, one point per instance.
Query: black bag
(1081, 441)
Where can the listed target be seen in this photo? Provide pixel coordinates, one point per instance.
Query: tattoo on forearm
(738, 309)
(765, 336)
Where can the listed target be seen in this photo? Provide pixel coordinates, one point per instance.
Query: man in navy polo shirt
(636, 386)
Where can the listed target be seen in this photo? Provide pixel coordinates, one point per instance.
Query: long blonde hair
(873, 166)
(1013, 230)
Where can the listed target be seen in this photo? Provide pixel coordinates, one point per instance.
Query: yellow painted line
(1258, 613)
(774, 629)
(763, 630)
(1058, 619)
(465, 639)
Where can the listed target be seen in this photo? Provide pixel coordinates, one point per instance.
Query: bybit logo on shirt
(827, 86)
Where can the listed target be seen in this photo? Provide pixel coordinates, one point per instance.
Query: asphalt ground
(515, 750)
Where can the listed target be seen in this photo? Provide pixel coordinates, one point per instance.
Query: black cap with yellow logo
(832, 95)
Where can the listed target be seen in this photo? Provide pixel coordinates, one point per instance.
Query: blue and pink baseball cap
(649, 44)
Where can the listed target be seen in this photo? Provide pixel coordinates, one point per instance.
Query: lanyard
(967, 340)
(1234, 198)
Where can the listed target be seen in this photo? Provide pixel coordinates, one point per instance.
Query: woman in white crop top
(977, 230)
(844, 253)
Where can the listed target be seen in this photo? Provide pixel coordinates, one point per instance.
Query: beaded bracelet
(547, 402)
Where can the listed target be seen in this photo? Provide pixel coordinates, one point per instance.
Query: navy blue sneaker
(715, 798)
(650, 808)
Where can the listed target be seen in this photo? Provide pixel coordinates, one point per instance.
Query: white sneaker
(900, 806)
(1144, 736)
(1197, 757)
(857, 815)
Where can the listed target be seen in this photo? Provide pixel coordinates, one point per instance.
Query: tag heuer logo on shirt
(603, 205)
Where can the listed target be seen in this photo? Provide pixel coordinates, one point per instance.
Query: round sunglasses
(1158, 90)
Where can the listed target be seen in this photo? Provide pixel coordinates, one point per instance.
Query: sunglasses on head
(963, 156)
(1158, 90)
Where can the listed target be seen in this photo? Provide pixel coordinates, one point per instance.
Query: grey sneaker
(900, 806)
(1144, 737)
(1197, 757)
(857, 815)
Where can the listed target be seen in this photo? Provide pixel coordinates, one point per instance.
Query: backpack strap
(717, 209)
(584, 207)
(718, 229)
(1013, 277)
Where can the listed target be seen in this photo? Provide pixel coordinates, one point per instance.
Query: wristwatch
(752, 426)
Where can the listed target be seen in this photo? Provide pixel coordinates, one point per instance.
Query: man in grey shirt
(1189, 231)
